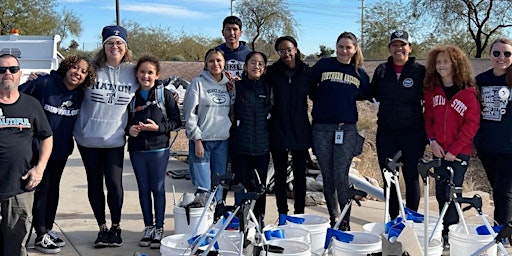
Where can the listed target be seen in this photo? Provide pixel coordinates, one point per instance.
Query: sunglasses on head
(12, 69)
(496, 54)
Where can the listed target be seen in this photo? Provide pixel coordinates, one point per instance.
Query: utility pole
(117, 12)
(362, 24)
(232, 7)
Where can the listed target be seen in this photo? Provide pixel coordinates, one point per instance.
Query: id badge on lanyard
(338, 136)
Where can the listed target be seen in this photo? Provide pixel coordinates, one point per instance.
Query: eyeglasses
(285, 51)
(111, 44)
(12, 69)
(497, 54)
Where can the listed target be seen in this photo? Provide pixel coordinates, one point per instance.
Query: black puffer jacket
(148, 140)
(290, 127)
(400, 98)
(249, 134)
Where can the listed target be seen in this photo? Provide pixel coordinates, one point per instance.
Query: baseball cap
(110, 32)
(400, 35)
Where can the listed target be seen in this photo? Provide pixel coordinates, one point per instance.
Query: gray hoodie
(206, 108)
(103, 115)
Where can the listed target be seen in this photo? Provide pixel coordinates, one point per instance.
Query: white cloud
(162, 9)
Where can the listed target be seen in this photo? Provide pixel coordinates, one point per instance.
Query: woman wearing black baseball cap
(397, 86)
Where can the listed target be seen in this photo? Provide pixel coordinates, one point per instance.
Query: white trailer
(35, 53)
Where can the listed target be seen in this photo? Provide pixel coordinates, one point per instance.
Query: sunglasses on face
(496, 54)
(12, 69)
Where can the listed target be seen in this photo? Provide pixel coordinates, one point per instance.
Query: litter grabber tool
(333, 233)
(425, 169)
(391, 173)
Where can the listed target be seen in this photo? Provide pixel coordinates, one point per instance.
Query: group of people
(238, 110)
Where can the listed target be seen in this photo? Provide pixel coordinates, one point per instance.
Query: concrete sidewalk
(76, 224)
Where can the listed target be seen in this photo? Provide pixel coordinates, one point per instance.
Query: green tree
(265, 20)
(150, 40)
(30, 17)
(381, 19)
(482, 19)
(69, 24)
(37, 17)
(325, 51)
(73, 45)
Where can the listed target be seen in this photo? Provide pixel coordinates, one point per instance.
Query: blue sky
(320, 21)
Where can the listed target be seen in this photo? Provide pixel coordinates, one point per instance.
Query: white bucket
(419, 228)
(291, 233)
(467, 244)
(175, 245)
(363, 243)
(317, 227)
(180, 220)
(376, 228)
(291, 248)
(229, 240)
(435, 248)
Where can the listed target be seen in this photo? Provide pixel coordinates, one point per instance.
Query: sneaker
(159, 233)
(56, 239)
(102, 240)
(446, 243)
(114, 237)
(147, 236)
(45, 245)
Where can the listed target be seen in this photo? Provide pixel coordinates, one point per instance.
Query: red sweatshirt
(454, 123)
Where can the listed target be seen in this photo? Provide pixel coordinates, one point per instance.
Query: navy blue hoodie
(235, 58)
(61, 107)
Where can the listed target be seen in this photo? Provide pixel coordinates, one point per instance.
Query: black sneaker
(56, 239)
(159, 233)
(45, 245)
(102, 240)
(114, 237)
(147, 236)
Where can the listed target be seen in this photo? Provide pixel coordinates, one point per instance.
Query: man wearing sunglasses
(22, 120)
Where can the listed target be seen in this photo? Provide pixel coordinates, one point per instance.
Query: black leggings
(108, 163)
(497, 167)
(412, 144)
(280, 159)
(46, 197)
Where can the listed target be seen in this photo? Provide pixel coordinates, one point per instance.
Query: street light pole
(232, 7)
(117, 12)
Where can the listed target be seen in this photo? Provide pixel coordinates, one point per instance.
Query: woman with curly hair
(452, 118)
(60, 94)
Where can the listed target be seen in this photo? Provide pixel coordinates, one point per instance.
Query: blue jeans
(150, 168)
(214, 163)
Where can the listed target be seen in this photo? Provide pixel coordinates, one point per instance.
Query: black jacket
(249, 134)
(147, 140)
(290, 127)
(401, 98)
